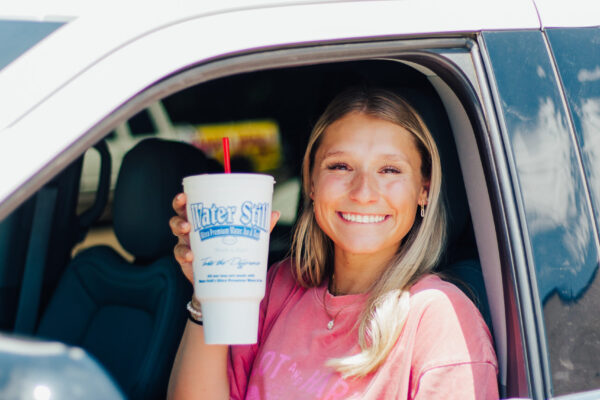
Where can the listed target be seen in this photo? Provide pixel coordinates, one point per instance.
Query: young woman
(355, 312)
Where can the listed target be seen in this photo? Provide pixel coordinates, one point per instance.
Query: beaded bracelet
(194, 309)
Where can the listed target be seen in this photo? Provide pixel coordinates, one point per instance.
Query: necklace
(332, 318)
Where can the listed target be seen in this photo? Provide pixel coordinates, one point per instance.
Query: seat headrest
(428, 104)
(151, 175)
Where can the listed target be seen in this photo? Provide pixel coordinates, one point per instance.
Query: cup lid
(221, 177)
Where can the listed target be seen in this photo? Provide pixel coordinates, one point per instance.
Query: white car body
(94, 60)
(40, 82)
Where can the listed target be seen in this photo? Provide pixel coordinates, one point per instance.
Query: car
(510, 90)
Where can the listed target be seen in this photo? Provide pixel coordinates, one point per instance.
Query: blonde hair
(387, 308)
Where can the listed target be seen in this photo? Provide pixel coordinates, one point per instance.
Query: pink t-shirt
(444, 352)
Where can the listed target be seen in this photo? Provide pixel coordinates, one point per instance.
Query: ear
(424, 195)
(311, 194)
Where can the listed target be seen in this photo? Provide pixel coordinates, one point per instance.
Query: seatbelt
(35, 262)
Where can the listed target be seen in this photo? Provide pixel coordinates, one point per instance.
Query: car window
(554, 195)
(16, 37)
(577, 54)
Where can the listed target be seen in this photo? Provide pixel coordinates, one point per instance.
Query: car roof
(571, 14)
(105, 30)
(97, 30)
(552, 13)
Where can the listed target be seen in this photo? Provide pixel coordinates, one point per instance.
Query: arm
(199, 370)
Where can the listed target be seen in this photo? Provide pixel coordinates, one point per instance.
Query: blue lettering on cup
(218, 221)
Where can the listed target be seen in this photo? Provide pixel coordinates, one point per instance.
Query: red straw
(226, 155)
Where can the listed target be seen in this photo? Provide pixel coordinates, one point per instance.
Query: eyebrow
(394, 157)
(387, 157)
(334, 154)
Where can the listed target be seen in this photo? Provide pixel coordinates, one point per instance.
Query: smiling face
(366, 184)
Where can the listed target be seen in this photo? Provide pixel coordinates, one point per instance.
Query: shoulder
(447, 326)
(280, 274)
(281, 282)
(431, 292)
(443, 304)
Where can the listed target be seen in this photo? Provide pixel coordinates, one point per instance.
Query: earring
(422, 210)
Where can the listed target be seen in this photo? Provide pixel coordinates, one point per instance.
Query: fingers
(184, 257)
(180, 228)
(274, 218)
(179, 203)
(183, 253)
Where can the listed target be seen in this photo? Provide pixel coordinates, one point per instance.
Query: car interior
(128, 311)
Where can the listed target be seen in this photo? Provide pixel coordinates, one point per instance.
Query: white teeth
(363, 219)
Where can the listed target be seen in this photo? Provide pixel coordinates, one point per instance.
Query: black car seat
(460, 263)
(36, 242)
(130, 316)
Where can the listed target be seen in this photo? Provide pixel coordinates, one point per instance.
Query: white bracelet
(195, 314)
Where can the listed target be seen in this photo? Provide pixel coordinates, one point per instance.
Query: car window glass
(16, 37)
(577, 54)
(557, 212)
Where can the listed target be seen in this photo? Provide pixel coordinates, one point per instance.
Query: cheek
(403, 189)
(403, 198)
(328, 187)
(328, 192)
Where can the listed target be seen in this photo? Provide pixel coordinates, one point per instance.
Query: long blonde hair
(383, 318)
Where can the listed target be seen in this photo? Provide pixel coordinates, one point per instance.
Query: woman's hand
(181, 228)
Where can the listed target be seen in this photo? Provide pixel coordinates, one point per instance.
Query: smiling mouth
(362, 218)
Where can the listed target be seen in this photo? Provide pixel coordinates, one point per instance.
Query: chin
(363, 248)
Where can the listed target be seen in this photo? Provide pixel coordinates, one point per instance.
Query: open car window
(269, 113)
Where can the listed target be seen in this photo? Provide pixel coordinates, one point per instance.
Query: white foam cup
(230, 216)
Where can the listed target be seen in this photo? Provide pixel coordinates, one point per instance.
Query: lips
(363, 218)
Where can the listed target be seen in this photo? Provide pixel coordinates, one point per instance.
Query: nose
(363, 188)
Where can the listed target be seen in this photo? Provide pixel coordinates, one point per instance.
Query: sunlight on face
(367, 184)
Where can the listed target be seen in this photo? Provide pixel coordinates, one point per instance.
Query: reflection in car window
(16, 37)
(558, 214)
(578, 60)
(577, 53)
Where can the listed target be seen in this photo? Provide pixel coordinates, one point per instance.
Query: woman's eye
(390, 170)
(338, 166)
